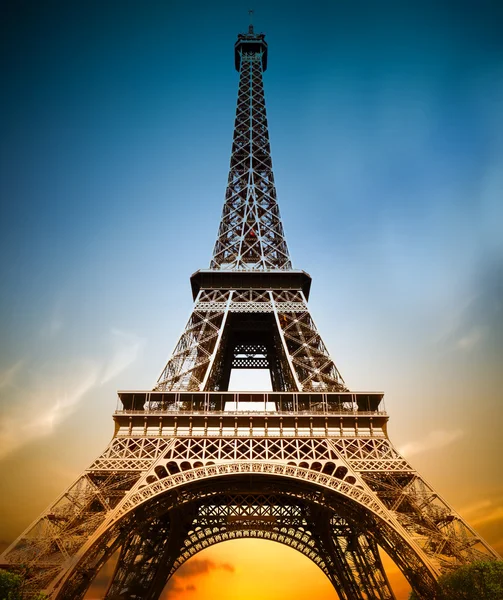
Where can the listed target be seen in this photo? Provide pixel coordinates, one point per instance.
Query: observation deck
(273, 414)
(250, 43)
(213, 279)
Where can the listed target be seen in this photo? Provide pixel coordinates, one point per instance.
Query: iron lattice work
(167, 487)
(223, 321)
(251, 233)
(192, 464)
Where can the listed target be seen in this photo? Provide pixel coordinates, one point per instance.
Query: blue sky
(387, 142)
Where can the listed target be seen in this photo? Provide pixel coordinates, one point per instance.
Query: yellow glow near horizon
(250, 569)
(261, 569)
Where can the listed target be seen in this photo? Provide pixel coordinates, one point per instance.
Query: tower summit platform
(250, 44)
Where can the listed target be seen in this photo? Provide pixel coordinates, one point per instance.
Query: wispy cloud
(483, 512)
(33, 407)
(474, 509)
(36, 398)
(434, 440)
(64, 404)
(127, 346)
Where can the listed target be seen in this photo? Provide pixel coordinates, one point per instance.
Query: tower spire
(251, 235)
(250, 306)
(250, 26)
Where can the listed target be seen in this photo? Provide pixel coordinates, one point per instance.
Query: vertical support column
(147, 556)
(217, 348)
(283, 342)
(362, 554)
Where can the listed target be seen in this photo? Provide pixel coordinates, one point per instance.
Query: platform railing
(244, 413)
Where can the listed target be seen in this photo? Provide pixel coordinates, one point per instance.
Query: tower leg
(357, 572)
(147, 557)
(362, 553)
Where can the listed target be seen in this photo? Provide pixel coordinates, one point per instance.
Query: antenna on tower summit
(250, 27)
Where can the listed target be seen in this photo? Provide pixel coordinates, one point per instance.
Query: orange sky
(250, 569)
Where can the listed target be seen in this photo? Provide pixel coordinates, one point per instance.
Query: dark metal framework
(251, 234)
(192, 464)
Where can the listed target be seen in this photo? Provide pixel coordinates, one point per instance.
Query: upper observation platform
(250, 43)
(258, 280)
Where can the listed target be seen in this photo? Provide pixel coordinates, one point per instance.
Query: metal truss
(337, 527)
(325, 539)
(358, 480)
(251, 234)
(278, 321)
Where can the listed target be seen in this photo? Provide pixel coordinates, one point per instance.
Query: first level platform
(250, 414)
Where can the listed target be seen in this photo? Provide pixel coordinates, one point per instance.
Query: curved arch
(322, 488)
(206, 538)
(297, 523)
(345, 488)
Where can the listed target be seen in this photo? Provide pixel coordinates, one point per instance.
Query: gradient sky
(387, 140)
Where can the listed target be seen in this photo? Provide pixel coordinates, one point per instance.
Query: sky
(387, 141)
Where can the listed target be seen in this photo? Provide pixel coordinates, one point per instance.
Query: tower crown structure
(251, 236)
(192, 464)
(250, 43)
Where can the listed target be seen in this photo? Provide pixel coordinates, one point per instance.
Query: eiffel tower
(191, 464)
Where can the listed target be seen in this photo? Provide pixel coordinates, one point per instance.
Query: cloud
(473, 509)
(190, 570)
(178, 583)
(434, 440)
(36, 398)
(127, 346)
(482, 513)
(35, 407)
(172, 587)
(197, 566)
(63, 405)
(486, 516)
